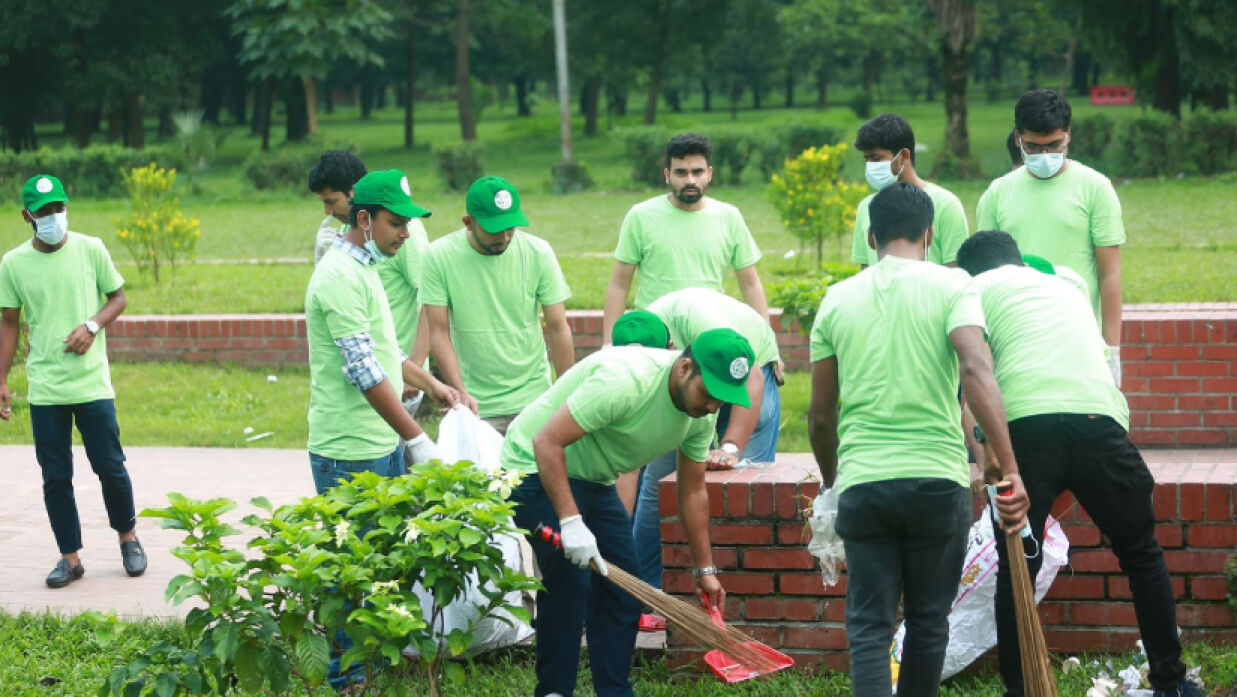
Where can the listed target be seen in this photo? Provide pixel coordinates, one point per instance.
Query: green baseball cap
(642, 328)
(725, 359)
(387, 188)
(1039, 264)
(495, 203)
(40, 190)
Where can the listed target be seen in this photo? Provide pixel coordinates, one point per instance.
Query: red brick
(761, 632)
(1190, 561)
(1209, 588)
(1191, 497)
(1152, 402)
(746, 583)
(1148, 369)
(1220, 353)
(787, 498)
(679, 557)
(1089, 640)
(793, 534)
(1215, 385)
(818, 661)
(762, 500)
(773, 558)
(1169, 535)
(1207, 369)
(1082, 535)
(1204, 615)
(1219, 502)
(1139, 419)
(1202, 403)
(717, 499)
(834, 610)
(1051, 612)
(283, 343)
(820, 637)
(1119, 587)
(1175, 419)
(737, 534)
(1204, 437)
(736, 501)
(788, 609)
(667, 499)
(1212, 536)
(1134, 385)
(1070, 586)
(1177, 352)
(678, 582)
(808, 584)
(1174, 385)
(1093, 561)
(672, 531)
(1103, 614)
(1221, 419)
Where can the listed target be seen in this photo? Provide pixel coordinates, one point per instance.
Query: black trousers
(1092, 456)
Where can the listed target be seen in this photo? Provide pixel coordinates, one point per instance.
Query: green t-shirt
(621, 398)
(683, 249)
(495, 306)
(898, 374)
(690, 311)
(1062, 219)
(1047, 351)
(949, 229)
(401, 278)
(345, 298)
(57, 292)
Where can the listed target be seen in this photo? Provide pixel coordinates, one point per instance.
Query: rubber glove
(579, 544)
(421, 449)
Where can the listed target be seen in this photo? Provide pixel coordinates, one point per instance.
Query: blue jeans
(327, 473)
(53, 448)
(574, 599)
(905, 539)
(646, 529)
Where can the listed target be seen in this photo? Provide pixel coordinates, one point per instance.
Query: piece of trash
(1195, 675)
(1130, 678)
(260, 436)
(1101, 687)
(790, 254)
(247, 430)
(272, 378)
(1070, 664)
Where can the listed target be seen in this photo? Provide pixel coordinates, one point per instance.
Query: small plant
(156, 231)
(196, 140)
(281, 168)
(732, 150)
(800, 296)
(1090, 137)
(460, 165)
(812, 200)
(646, 151)
(569, 178)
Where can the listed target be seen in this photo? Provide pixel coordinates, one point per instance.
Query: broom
(1037, 678)
(691, 620)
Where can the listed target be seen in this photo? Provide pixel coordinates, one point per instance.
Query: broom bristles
(1037, 678)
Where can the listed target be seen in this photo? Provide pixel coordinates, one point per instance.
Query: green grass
(45, 654)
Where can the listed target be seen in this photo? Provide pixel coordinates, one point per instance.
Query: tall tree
(956, 24)
(564, 82)
(463, 72)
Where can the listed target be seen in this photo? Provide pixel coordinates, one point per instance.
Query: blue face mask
(1044, 165)
(880, 174)
(50, 229)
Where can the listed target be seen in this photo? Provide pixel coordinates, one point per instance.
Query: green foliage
(285, 167)
(156, 231)
(800, 296)
(280, 39)
(344, 561)
(646, 151)
(1149, 145)
(92, 171)
(195, 141)
(1089, 138)
(569, 178)
(732, 150)
(798, 136)
(1230, 575)
(811, 198)
(947, 165)
(861, 104)
(1209, 139)
(459, 165)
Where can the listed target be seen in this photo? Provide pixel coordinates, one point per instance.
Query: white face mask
(50, 229)
(1045, 165)
(881, 174)
(378, 256)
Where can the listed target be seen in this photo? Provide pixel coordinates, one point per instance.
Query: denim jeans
(53, 448)
(904, 538)
(646, 528)
(574, 599)
(1092, 456)
(327, 473)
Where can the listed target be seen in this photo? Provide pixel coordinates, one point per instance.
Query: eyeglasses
(1037, 148)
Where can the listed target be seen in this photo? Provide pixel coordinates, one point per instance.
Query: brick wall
(245, 339)
(775, 593)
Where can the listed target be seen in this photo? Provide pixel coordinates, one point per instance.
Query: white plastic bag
(463, 436)
(825, 544)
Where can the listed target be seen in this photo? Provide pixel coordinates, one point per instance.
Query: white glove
(421, 449)
(579, 544)
(1114, 364)
(411, 404)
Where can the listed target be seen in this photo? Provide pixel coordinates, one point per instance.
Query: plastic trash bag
(463, 436)
(825, 544)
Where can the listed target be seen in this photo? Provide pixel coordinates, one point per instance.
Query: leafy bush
(732, 150)
(800, 296)
(460, 165)
(1209, 139)
(800, 136)
(812, 200)
(343, 561)
(646, 151)
(569, 177)
(156, 231)
(861, 104)
(285, 167)
(92, 171)
(946, 165)
(1090, 137)
(1149, 145)
(196, 141)
(1230, 574)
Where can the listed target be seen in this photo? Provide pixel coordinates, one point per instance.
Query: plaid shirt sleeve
(361, 367)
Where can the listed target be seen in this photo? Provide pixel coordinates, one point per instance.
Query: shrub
(646, 151)
(946, 165)
(156, 231)
(812, 200)
(861, 104)
(1209, 140)
(732, 150)
(1089, 138)
(798, 137)
(196, 141)
(569, 177)
(800, 296)
(1149, 146)
(285, 167)
(92, 171)
(460, 165)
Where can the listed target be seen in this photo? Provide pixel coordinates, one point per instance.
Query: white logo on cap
(403, 184)
(503, 199)
(43, 185)
(739, 368)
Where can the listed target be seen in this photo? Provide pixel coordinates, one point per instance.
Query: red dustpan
(731, 670)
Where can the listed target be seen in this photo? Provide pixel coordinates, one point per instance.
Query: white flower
(385, 587)
(505, 482)
(341, 531)
(411, 532)
(399, 610)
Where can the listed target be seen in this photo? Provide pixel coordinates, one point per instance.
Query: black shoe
(133, 557)
(1187, 688)
(64, 574)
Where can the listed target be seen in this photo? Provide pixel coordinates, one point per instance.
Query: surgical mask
(50, 229)
(880, 174)
(1044, 165)
(371, 246)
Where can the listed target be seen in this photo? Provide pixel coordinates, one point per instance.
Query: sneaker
(1187, 688)
(133, 557)
(64, 574)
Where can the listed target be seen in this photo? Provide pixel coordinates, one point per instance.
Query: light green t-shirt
(683, 249)
(401, 278)
(621, 398)
(57, 292)
(1047, 351)
(495, 307)
(1062, 219)
(949, 228)
(898, 374)
(690, 311)
(345, 298)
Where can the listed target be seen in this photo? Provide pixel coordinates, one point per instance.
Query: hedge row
(1155, 144)
(93, 171)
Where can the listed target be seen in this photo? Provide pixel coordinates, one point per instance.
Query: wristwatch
(979, 434)
(704, 571)
(730, 449)
(91, 326)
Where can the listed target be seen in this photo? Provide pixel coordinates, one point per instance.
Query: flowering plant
(812, 199)
(156, 231)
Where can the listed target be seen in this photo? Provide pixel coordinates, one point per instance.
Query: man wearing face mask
(57, 278)
(1061, 210)
(888, 146)
(485, 288)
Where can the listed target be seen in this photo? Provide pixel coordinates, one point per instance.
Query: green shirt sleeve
(985, 211)
(433, 285)
(9, 296)
(859, 246)
(696, 445)
(1107, 229)
(599, 400)
(630, 248)
(821, 345)
(965, 304)
(552, 287)
(744, 251)
(951, 232)
(109, 279)
(344, 308)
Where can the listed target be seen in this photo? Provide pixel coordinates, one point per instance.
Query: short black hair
(987, 250)
(886, 131)
(685, 144)
(371, 208)
(687, 353)
(900, 212)
(1041, 111)
(336, 169)
(1015, 150)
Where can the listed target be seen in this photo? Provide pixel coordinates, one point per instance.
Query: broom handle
(555, 538)
(1037, 677)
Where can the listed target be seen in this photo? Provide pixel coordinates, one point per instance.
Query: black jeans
(1092, 456)
(904, 538)
(53, 447)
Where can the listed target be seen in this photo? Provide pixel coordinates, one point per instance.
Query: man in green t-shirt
(610, 414)
(485, 288)
(888, 146)
(888, 345)
(58, 278)
(1067, 426)
(1061, 210)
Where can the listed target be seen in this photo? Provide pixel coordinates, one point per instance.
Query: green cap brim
(502, 222)
(726, 391)
(408, 210)
(1039, 264)
(49, 197)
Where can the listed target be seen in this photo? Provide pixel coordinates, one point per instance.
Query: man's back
(690, 311)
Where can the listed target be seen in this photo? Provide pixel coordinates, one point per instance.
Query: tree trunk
(564, 83)
(706, 93)
(262, 119)
(674, 100)
(956, 27)
(650, 104)
(19, 129)
(79, 125)
(592, 100)
(259, 106)
(1067, 71)
(1082, 67)
(756, 95)
(367, 94)
(996, 60)
(1166, 89)
(790, 89)
(463, 73)
(521, 95)
(136, 131)
(410, 91)
(311, 104)
(296, 108)
(115, 122)
(736, 93)
(822, 88)
(166, 128)
(616, 99)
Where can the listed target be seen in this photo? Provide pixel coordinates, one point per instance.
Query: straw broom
(1037, 678)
